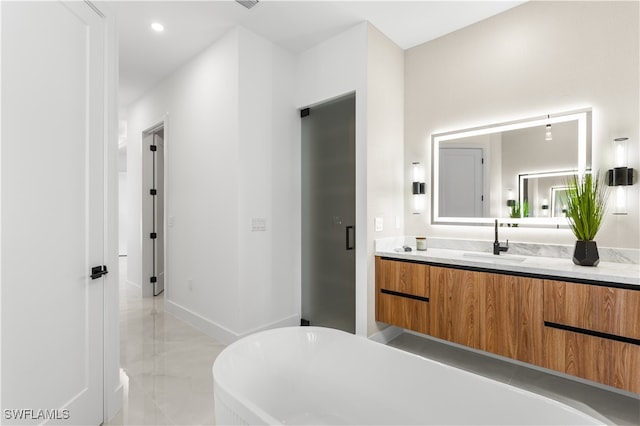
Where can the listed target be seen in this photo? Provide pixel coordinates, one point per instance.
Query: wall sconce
(418, 180)
(547, 134)
(511, 202)
(620, 176)
(545, 207)
(417, 187)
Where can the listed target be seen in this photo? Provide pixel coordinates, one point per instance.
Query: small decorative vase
(586, 253)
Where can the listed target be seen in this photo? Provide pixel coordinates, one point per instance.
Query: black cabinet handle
(98, 271)
(349, 246)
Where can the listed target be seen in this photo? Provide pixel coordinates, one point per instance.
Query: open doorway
(153, 252)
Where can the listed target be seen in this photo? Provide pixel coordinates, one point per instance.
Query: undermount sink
(502, 258)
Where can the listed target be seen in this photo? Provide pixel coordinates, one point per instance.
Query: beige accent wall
(536, 59)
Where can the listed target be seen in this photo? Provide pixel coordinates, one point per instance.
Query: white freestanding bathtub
(312, 375)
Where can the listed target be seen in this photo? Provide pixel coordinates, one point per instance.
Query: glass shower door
(328, 214)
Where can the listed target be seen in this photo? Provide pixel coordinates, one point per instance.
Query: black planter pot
(586, 253)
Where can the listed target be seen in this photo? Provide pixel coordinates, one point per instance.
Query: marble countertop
(606, 272)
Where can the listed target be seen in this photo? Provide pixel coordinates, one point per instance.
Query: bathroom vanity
(543, 311)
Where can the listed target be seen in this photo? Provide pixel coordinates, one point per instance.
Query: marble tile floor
(166, 369)
(165, 364)
(618, 408)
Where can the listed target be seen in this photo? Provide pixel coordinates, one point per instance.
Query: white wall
(233, 148)
(269, 186)
(123, 213)
(535, 59)
(333, 68)
(364, 61)
(221, 170)
(386, 180)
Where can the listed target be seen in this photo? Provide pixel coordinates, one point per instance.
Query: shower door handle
(349, 245)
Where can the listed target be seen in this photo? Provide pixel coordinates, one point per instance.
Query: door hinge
(98, 271)
(305, 112)
(153, 235)
(153, 148)
(153, 279)
(153, 191)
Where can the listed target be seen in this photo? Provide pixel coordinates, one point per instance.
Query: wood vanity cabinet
(610, 310)
(586, 330)
(402, 294)
(593, 332)
(455, 313)
(501, 314)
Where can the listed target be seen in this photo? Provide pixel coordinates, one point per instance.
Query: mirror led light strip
(580, 116)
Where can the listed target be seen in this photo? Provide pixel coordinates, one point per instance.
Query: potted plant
(519, 211)
(586, 204)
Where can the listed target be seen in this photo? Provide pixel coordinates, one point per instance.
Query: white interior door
(52, 227)
(461, 182)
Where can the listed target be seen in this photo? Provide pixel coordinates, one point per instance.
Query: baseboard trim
(113, 403)
(217, 331)
(133, 284)
(386, 335)
(290, 321)
(210, 328)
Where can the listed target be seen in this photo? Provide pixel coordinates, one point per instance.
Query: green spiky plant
(520, 210)
(586, 204)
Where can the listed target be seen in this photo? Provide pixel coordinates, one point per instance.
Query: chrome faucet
(497, 247)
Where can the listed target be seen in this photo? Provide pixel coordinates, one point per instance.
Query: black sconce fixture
(545, 207)
(417, 187)
(620, 176)
(511, 202)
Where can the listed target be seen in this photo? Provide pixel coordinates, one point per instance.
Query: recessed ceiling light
(157, 27)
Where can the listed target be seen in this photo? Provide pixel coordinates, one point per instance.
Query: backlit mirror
(514, 171)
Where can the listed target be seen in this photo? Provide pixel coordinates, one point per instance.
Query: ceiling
(147, 57)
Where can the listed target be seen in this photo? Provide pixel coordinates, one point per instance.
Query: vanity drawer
(403, 277)
(404, 312)
(593, 358)
(608, 310)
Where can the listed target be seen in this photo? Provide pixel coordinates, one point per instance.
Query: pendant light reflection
(547, 134)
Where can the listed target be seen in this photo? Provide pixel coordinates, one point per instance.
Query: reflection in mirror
(478, 173)
(543, 195)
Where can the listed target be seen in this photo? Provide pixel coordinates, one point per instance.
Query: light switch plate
(379, 224)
